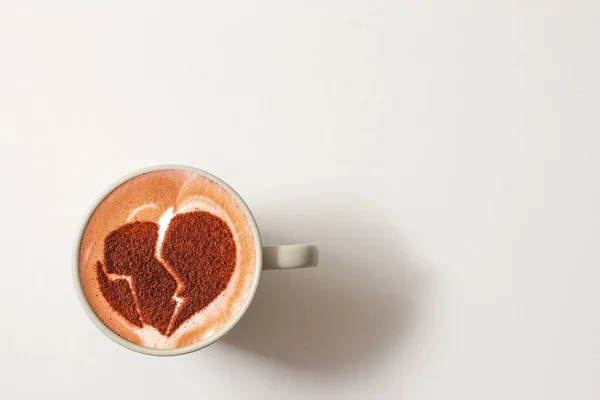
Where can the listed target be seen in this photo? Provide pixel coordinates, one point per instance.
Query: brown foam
(145, 198)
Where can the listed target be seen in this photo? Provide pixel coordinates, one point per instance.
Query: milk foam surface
(189, 192)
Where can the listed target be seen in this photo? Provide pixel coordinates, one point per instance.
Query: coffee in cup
(167, 259)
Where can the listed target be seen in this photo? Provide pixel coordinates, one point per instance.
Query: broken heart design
(163, 287)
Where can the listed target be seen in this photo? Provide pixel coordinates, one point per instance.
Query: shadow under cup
(269, 257)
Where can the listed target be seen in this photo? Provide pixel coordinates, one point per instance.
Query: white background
(442, 155)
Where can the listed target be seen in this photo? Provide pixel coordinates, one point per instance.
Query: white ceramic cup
(267, 258)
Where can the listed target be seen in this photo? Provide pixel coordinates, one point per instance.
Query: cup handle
(290, 256)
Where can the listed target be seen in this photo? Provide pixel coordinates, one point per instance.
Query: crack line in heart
(127, 278)
(163, 225)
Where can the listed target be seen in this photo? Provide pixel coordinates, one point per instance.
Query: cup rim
(204, 342)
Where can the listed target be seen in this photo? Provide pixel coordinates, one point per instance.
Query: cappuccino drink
(167, 259)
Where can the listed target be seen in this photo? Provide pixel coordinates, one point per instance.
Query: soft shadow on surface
(357, 305)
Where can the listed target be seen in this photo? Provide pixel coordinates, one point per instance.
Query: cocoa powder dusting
(130, 250)
(199, 248)
(200, 251)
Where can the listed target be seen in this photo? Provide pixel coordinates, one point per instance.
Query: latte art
(167, 259)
